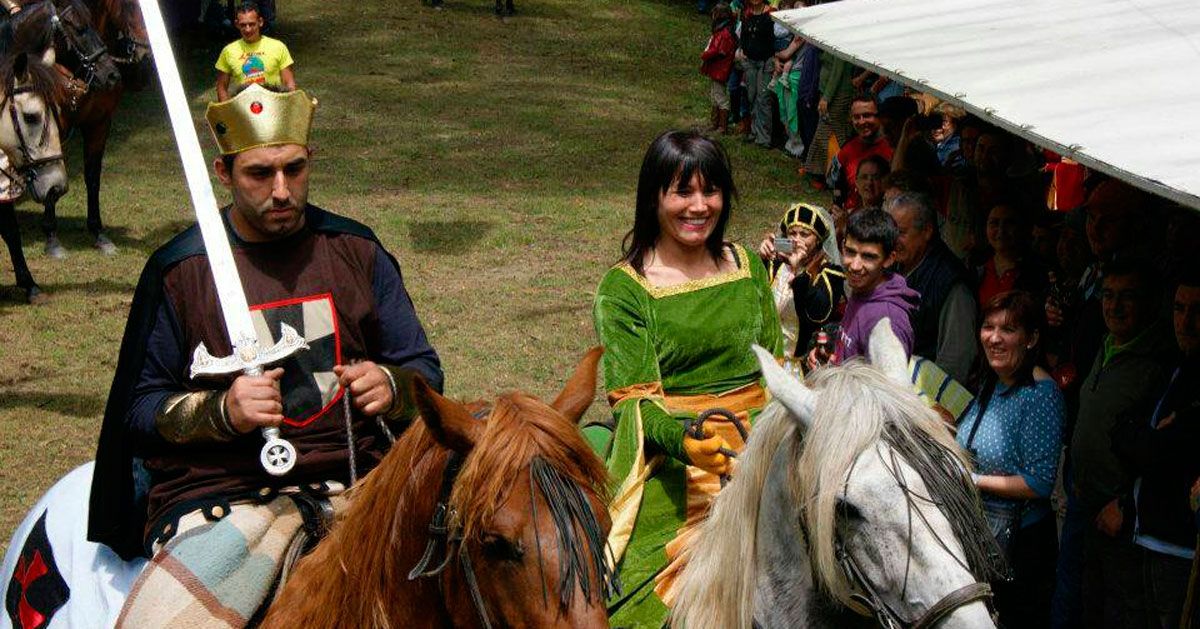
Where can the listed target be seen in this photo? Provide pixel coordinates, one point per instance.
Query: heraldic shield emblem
(309, 385)
(36, 589)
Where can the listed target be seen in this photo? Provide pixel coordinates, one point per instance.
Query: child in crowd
(716, 62)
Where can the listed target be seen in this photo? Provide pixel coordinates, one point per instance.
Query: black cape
(116, 510)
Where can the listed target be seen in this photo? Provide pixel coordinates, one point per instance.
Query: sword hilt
(278, 455)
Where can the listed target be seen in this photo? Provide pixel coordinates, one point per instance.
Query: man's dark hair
(882, 165)
(865, 98)
(247, 7)
(1188, 277)
(1145, 272)
(875, 227)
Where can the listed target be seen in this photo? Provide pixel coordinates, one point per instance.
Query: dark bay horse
(122, 36)
(29, 137)
(523, 542)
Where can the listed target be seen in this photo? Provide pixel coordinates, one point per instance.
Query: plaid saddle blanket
(215, 573)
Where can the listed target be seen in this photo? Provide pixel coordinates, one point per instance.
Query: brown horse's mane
(110, 16)
(388, 516)
(520, 428)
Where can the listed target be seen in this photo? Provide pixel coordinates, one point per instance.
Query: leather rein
(442, 537)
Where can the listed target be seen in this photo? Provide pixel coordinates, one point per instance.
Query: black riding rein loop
(694, 428)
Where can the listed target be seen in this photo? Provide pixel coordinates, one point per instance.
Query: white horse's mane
(857, 403)
(705, 600)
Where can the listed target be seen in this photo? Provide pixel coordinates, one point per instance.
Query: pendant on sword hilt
(278, 455)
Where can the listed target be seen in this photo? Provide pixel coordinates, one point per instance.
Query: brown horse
(523, 544)
(120, 27)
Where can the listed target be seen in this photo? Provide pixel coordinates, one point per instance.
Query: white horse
(49, 561)
(851, 495)
(32, 157)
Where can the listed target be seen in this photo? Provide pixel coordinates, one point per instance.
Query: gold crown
(259, 117)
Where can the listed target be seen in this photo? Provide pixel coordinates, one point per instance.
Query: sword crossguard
(248, 357)
(278, 455)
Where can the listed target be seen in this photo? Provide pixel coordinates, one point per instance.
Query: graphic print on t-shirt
(309, 385)
(253, 68)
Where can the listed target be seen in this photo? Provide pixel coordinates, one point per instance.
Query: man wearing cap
(178, 477)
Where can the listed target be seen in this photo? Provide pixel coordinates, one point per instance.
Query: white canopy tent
(1112, 84)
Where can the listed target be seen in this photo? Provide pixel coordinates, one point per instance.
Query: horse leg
(11, 232)
(95, 137)
(508, 7)
(54, 247)
(499, 8)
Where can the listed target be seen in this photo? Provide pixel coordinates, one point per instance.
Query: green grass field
(496, 159)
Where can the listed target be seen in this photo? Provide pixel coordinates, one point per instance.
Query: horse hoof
(54, 248)
(34, 296)
(105, 245)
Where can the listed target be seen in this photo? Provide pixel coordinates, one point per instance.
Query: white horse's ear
(887, 354)
(791, 392)
(48, 57)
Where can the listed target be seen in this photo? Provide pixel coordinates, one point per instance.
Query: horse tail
(719, 578)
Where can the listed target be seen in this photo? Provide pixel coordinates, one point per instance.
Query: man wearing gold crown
(177, 474)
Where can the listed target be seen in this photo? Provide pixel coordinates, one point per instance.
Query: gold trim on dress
(656, 292)
(646, 389)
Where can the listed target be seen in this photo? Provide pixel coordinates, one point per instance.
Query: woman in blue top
(1013, 430)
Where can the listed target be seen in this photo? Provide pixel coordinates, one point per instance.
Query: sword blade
(234, 309)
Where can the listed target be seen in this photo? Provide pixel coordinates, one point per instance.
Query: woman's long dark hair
(675, 156)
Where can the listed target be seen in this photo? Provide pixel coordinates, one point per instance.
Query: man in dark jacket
(944, 324)
(1128, 373)
(1163, 451)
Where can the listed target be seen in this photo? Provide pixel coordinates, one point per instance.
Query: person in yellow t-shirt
(255, 58)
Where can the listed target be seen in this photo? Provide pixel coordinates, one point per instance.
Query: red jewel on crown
(256, 107)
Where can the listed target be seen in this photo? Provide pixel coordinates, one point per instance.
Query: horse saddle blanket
(215, 573)
(11, 189)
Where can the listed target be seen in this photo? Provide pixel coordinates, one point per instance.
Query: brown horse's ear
(448, 421)
(577, 395)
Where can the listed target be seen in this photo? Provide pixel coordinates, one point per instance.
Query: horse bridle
(28, 170)
(868, 596)
(442, 538)
(88, 59)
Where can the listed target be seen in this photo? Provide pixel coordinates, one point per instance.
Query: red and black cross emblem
(36, 589)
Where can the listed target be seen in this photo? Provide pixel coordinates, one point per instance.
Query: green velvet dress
(670, 352)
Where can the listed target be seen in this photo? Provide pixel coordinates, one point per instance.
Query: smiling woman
(1014, 431)
(676, 317)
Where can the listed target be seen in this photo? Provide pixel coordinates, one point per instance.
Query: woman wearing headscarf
(807, 281)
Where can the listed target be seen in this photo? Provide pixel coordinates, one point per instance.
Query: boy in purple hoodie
(872, 291)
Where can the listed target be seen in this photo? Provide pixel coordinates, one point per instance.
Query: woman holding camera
(1014, 432)
(677, 316)
(807, 282)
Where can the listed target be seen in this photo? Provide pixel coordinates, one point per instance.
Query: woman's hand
(797, 260)
(823, 107)
(706, 453)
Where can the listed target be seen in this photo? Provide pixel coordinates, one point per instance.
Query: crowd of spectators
(1057, 310)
